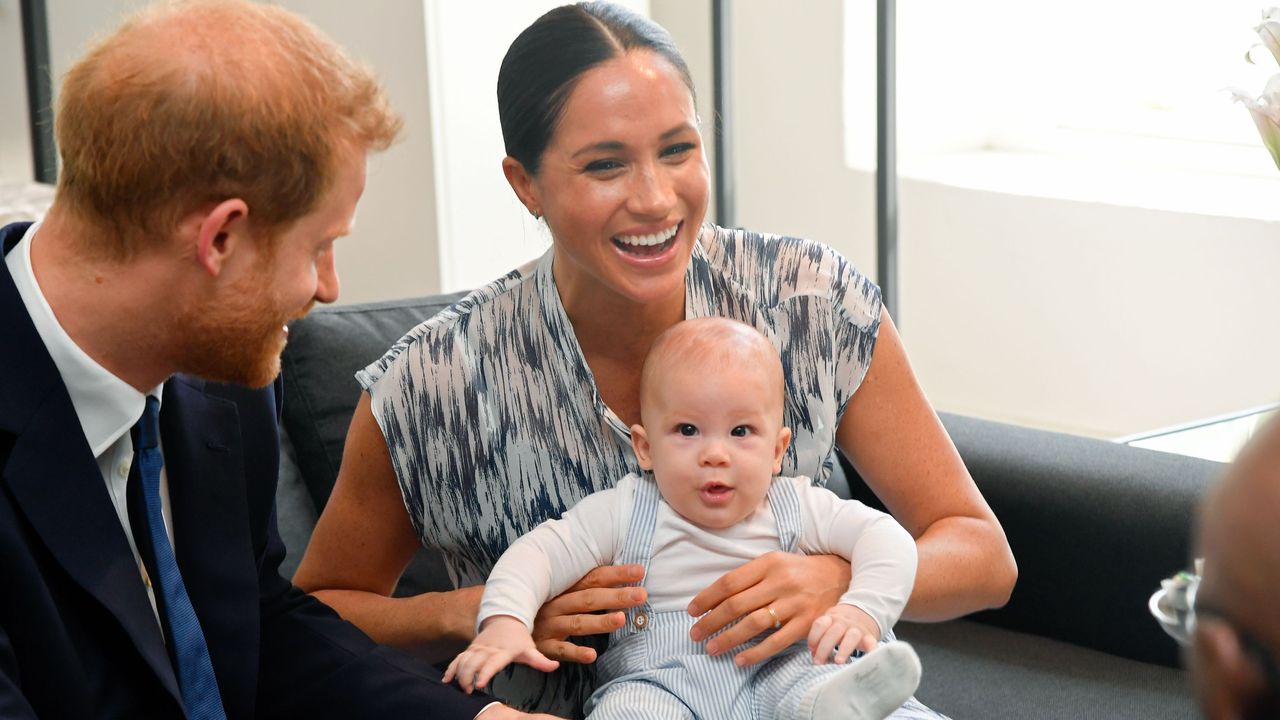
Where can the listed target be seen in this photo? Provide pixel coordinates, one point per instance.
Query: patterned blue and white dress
(494, 424)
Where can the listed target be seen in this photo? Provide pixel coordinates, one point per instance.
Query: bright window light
(1134, 82)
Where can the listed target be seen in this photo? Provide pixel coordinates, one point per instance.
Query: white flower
(1265, 109)
(1266, 115)
(1269, 31)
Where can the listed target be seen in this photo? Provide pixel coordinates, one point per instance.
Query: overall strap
(637, 547)
(785, 504)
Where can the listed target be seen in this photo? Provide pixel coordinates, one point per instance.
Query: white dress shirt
(106, 406)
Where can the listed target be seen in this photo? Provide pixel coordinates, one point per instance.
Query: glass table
(1218, 438)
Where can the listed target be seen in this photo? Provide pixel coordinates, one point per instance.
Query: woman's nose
(652, 194)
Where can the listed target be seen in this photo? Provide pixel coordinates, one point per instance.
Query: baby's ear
(784, 440)
(640, 443)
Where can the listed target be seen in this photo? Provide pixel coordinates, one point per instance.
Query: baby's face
(714, 440)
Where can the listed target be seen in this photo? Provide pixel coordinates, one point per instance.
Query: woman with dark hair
(511, 406)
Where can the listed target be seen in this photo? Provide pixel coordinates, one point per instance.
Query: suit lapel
(55, 480)
(204, 457)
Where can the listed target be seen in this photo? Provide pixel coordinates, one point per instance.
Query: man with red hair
(212, 154)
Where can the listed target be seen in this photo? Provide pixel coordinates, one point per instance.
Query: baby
(711, 442)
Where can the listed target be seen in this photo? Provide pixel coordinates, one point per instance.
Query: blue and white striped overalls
(653, 671)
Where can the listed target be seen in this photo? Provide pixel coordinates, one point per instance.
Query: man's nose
(327, 284)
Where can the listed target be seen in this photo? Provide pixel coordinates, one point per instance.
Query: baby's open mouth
(716, 492)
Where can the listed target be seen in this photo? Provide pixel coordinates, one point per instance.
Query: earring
(536, 215)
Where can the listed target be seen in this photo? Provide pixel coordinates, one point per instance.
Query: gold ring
(777, 622)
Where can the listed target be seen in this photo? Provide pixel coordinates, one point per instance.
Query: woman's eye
(740, 431)
(686, 429)
(678, 149)
(600, 166)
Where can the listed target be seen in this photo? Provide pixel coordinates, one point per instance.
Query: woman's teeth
(648, 240)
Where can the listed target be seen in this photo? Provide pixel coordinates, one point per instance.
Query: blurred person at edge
(1236, 641)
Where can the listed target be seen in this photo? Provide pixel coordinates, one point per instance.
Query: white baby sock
(870, 688)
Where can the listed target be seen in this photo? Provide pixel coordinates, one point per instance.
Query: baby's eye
(686, 429)
(740, 431)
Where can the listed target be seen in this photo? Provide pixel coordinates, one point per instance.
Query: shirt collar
(105, 405)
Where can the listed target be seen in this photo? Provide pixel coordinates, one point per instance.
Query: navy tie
(195, 670)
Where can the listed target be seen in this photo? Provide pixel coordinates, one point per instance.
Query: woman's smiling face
(623, 183)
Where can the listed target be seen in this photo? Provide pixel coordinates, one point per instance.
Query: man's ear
(219, 232)
(784, 440)
(522, 183)
(640, 443)
(1226, 681)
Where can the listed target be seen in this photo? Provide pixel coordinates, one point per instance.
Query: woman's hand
(576, 611)
(797, 588)
(501, 641)
(840, 631)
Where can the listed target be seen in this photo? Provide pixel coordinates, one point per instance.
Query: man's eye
(686, 429)
(740, 431)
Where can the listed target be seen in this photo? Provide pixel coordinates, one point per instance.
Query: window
(1134, 82)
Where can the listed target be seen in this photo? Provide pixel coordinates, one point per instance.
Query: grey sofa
(1095, 526)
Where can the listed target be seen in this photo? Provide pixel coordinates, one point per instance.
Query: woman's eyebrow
(617, 145)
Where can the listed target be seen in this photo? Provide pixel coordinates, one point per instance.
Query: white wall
(484, 229)
(15, 134)
(397, 216)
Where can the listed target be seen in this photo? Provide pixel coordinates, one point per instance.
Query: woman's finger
(752, 624)
(565, 651)
(734, 608)
(726, 586)
(772, 645)
(578, 625)
(591, 600)
(607, 576)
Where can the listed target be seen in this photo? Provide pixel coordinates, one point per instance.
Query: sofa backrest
(325, 350)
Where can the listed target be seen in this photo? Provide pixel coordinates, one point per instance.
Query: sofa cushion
(975, 670)
(1094, 526)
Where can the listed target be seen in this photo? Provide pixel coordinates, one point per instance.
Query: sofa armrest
(1094, 526)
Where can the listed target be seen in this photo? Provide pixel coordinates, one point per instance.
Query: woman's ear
(219, 232)
(522, 183)
(780, 449)
(640, 443)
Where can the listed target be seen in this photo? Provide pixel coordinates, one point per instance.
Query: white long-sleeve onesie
(687, 558)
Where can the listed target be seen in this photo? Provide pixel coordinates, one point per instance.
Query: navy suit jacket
(78, 638)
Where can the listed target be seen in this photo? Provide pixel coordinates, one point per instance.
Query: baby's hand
(502, 640)
(842, 629)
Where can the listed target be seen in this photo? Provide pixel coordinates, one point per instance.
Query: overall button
(641, 621)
